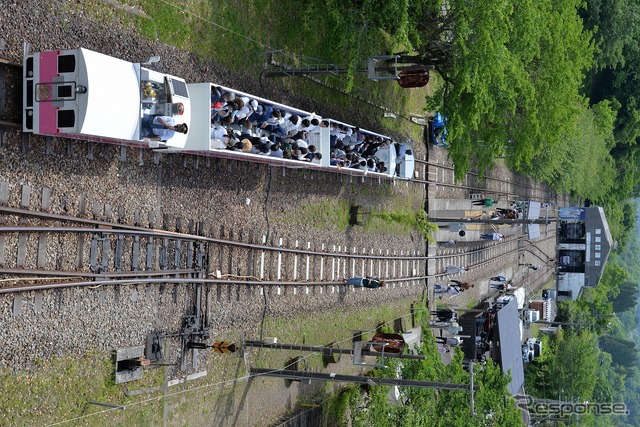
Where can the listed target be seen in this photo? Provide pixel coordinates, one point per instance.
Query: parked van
(536, 345)
(527, 352)
(531, 316)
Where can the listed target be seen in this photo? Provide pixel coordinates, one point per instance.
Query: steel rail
(49, 286)
(68, 273)
(516, 185)
(12, 125)
(216, 281)
(10, 63)
(134, 230)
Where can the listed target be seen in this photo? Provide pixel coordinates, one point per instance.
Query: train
(87, 95)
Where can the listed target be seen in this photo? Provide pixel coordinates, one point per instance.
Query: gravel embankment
(214, 194)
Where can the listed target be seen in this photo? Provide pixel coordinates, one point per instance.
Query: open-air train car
(199, 140)
(88, 95)
(398, 157)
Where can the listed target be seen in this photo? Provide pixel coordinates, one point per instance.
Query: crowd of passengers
(239, 123)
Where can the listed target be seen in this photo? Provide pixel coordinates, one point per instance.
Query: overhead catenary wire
(292, 57)
(205, 386)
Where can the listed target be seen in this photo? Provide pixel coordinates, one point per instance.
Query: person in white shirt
(276, 151)
(292, 125)
(219, 137)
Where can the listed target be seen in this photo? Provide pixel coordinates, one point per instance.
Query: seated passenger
(302, 154)
(242, 112)
(360, 165)
(336, 162)
(219, 137)
(287, 144)
(262, 149)
(276, 151)
(339, 154)
(291, 125)
(218, 96)
(372, 148)
(259, 115)
(317, 158)
(312, 121)
(273, 124)
(247, 146)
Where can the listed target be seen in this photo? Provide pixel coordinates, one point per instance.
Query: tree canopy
(435, 407)
(513, 75)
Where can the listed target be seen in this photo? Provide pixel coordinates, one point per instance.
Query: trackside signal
(222, 347)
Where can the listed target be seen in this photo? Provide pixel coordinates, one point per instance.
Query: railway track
(442, 184)
(56, 265)
(109, 251)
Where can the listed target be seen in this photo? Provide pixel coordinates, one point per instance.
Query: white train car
(87, 95)
(200, 141)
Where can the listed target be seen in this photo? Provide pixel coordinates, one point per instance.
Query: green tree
(627, 299)
(513, 75)
(616, 24)
(592, 172)
(432, 407)
(568, 367)
(623, 352)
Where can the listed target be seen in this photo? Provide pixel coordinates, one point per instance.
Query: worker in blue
(365, 282)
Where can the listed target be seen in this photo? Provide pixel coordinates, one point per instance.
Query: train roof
(91, 95)
(116, 112)
(112, 105)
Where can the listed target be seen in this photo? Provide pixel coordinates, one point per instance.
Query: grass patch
(408, 221)
(59, 389)
(335, 408)
(334, 325)
(322, 214)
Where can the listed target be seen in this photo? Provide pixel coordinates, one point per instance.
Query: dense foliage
(552, 86)
(595, 356)
(433, 407)
(513, 75)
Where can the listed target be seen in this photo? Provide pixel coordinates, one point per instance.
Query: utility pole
(358, 379)
(471, 389)
(494, 221)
